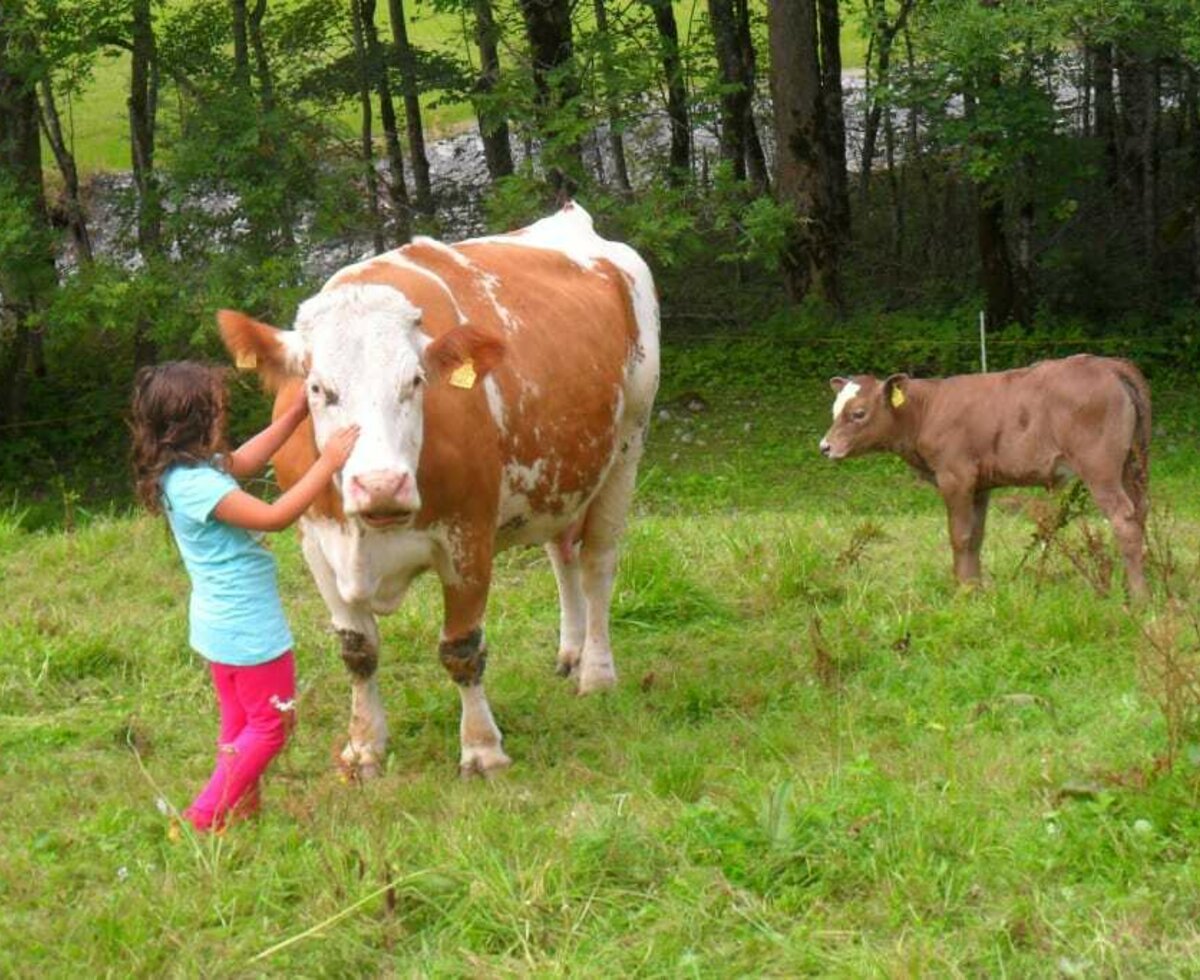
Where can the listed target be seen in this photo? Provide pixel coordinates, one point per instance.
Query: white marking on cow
(849, 390)
(495, 400)
(400, 260)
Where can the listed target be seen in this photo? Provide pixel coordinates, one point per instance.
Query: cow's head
(365, 360)
(866, 414)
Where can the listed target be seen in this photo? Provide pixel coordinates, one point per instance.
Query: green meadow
(821, 757)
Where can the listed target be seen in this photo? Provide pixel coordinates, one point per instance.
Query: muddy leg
(366, 747)
(463, 653)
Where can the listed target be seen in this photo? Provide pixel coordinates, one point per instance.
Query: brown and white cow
(503, 386)
(1080, 416)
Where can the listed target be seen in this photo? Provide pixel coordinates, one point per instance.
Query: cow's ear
(467, 352)
(837, 384)
(275, 354)
(895, 391)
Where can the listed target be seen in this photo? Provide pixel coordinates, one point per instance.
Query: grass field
(821, 757)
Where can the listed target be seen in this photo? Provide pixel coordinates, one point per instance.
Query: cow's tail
(1136, 474)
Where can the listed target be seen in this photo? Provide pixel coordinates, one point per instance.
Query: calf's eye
(858, 414)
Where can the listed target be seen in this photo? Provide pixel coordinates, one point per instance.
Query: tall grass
(821, 757)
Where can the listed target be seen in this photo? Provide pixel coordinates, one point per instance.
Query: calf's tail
(1136, 473)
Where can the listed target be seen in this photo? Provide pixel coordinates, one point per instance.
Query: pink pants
(256, 716)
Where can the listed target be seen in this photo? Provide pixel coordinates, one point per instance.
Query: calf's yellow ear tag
(247, 361)
(463, 376)
(898, 398)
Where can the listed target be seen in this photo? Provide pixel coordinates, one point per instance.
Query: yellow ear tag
(898, 398)
(247, 361)
(463, 376)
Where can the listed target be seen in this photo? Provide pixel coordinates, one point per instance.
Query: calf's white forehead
(370, 331)
(849, 390)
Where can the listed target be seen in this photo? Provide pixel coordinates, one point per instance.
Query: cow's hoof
(568, 663)
(596, 679)
(355, 767)
(486, 761)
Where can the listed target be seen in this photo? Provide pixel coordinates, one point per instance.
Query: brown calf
(1080, 416)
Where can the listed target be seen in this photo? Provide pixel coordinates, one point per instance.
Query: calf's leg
(1128, 523)
(463, 653)
(966, 510)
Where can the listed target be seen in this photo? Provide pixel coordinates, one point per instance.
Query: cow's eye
(328, 394)
(858, 415)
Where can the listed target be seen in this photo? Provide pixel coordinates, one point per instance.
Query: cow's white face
(362, 349)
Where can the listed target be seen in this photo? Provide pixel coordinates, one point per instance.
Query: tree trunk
(493, 125)
(1192, 102)
(412, 108)
(143, 113)
(680, 161)
(733, 99)
(810, 259)
(1105, 123)
(616, 145)
(833, 143)
(883, 37)
(548, 28)
(397, 188)
(24, 283)
(241, 46)
(366, 119)
(756, 159)
(268, 125)
(76, 213)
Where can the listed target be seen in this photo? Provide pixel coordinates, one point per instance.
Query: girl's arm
(251, 457)
(244, 510)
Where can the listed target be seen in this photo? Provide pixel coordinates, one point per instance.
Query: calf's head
(365, 360)
(866, 414)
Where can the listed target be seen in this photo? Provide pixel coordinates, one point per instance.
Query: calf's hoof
(568, 663)
(483, 760)
(595, 679)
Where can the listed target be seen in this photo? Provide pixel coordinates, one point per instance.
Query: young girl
(236, 618)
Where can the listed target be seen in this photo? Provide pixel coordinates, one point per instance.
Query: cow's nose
(383, 490)
(825, 447)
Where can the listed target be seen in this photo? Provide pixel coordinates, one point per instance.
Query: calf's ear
(275, 354)
(837, 384)
(895, 391)
(465, 354)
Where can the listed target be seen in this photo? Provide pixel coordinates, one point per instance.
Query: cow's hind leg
(1127, 518)
(602, 530)
(364, 752)
(572, 608)
(463, 652)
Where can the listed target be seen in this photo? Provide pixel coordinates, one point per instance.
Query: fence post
(983, 340)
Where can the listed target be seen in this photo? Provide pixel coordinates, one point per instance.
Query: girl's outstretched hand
(337, 450)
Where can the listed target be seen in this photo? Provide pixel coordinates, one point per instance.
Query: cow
(503, 386)
(1081, 416)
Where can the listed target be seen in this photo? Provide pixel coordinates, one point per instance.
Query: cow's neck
(912, 421)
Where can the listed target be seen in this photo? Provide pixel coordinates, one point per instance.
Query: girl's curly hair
(179, 410)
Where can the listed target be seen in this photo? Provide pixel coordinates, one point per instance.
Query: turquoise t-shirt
(235, 613)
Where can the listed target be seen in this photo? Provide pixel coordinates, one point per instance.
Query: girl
(236, 618)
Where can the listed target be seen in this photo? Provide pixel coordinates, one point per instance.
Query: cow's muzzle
(828, 451)
(382, 498)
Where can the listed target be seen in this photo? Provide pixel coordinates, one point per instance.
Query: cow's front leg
(463, 652)
(966, 510)
(364, 752)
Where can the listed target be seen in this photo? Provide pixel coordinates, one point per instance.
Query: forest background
(854, 184)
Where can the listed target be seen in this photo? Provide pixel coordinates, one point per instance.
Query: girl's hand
(298, 409)
(337, 450)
